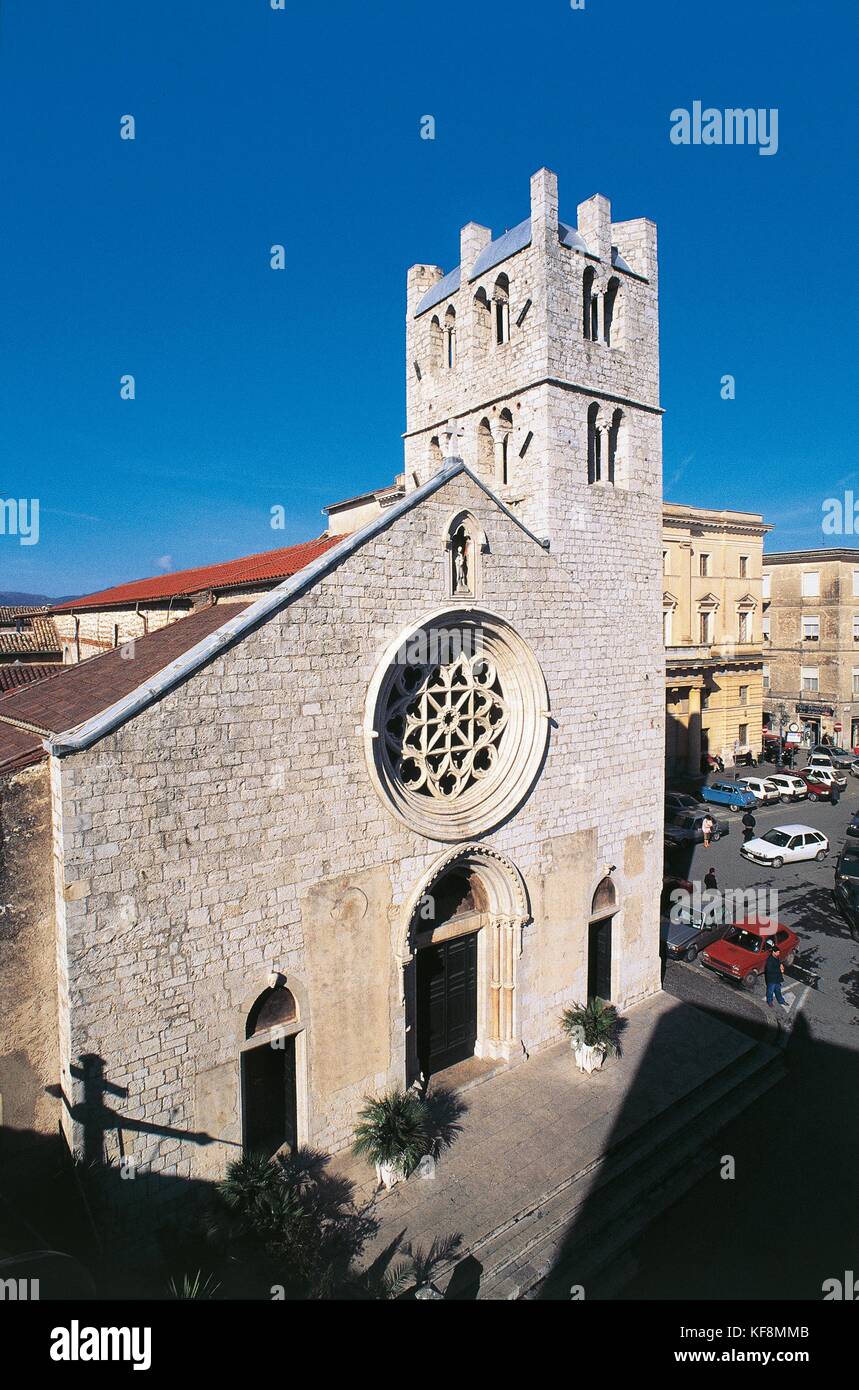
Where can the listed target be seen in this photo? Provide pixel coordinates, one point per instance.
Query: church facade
(390, 817)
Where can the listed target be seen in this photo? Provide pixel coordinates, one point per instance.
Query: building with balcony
(811, 642)
(712, 610)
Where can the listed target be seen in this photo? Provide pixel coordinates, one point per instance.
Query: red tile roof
(37, 635)
(248, 571)
(77, 693)
(13, 674)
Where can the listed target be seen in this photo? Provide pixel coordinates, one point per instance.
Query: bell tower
(536, 361)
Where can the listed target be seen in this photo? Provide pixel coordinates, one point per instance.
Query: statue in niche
(460, 549)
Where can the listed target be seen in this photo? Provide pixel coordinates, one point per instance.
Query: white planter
(388, 1175)
(588, 1058)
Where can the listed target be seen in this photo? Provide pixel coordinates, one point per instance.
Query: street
(787, 1220)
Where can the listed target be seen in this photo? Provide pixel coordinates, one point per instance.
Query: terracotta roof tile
(37, 635)
(77, 693)
(15, 673)
(247, 571)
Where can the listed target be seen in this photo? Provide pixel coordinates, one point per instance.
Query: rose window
(454, 741)
(444, 725)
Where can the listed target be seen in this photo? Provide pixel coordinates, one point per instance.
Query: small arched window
(505, 425)
(482, 321)
(436, 343)
(594, 445)
(590, 306)
(485, 449)
(450, 337)
(501, 308)
(611, 311)
(613, 440)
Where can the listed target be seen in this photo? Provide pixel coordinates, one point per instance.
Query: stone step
(622, 1188)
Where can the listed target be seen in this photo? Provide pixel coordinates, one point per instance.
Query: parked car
(823, 760)
(786, 844)
(838, 757)
(846, 897)
(685, 933)
(686, 829)
(790, 787)
(680, 803)
(847, 865)
(741, 952)
(728, 793)
(819, 789)
(829, 775)
(852, 830)
(763, 788)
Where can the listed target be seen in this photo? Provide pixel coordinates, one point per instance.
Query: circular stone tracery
(454, 742)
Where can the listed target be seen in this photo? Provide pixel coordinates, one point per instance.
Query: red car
(742, 951)
(817, 791)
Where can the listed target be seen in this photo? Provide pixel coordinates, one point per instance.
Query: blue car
(729, 794)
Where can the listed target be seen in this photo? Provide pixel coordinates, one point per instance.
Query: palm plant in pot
(393, 1133)
(594, 1033)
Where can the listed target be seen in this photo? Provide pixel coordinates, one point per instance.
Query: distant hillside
(12, 599)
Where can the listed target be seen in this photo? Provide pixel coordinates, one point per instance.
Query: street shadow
(715, 1241)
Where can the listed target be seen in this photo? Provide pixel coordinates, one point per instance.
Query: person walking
(710, 879)
(708, 825)
(773, 973)
(835, 794)
(749, 824)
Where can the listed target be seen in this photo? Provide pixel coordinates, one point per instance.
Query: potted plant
(594, 1033)
(393, 1133)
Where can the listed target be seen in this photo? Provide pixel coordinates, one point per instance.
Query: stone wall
(29, 1061)
(233, 829)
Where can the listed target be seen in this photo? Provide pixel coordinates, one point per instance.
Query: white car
(785, 844)
(789, 788)
(821, 773)
(764, 788)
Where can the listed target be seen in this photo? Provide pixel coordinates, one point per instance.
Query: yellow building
(711, 618)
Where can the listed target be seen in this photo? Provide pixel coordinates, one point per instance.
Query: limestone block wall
(29, 1061)
(233, 829)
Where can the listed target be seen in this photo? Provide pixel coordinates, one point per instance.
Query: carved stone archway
(502, 910)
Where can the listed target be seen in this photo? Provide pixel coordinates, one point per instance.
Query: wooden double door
(446, 1002)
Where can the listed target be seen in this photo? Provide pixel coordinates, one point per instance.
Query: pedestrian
(720, 763)
(773, 972)
(710, 879)
(835, 794)
(708, 825)
(749, 820)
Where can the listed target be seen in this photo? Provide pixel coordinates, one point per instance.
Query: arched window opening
(613, 437)
(482, 321)
(485, 449)
(450, 337)
(505, 423)
(501, 303)
(594, 445)
(603, 910)
(610, 310)
(590, 309)
(436, 343)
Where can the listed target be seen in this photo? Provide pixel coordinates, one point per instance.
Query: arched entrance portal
(460, 962)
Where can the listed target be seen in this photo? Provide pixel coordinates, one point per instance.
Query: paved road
(789, 1218)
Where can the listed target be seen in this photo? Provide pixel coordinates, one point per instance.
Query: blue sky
(257, 388)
